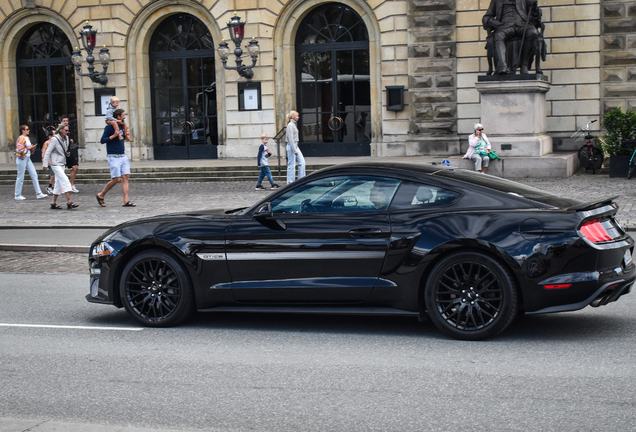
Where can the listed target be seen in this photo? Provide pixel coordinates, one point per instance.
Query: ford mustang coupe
(467, 250)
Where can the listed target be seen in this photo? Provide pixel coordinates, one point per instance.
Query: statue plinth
(513, 113)
(512, 77)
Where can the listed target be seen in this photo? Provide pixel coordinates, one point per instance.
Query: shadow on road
(553, 327)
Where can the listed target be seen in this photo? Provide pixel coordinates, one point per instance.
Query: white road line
(72, 327)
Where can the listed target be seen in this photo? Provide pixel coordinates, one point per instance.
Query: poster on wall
(249, 96)
(102, 99)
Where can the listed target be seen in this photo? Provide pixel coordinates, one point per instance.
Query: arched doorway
(183, 90)
(46, 82)
(333, 82)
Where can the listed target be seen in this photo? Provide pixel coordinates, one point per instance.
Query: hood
(153, 221)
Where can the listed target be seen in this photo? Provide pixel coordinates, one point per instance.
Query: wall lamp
(237, 32)
(89, 38)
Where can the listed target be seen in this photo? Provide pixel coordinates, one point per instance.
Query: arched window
(46, 81)
(333, 79)
(183, 89)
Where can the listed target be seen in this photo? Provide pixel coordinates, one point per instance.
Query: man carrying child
(112, 121)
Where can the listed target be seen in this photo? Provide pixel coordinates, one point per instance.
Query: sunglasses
(480, 129)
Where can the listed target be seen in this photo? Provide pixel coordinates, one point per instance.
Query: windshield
(509, 186)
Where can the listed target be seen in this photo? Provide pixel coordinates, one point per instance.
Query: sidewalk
(31, 225)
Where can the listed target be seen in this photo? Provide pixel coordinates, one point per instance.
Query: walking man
(117, 161)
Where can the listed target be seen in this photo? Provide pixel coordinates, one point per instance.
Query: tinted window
(508, 186)
(420, 196)
(338, 194)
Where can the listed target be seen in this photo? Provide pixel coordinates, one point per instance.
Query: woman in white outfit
(294, 155)
(478, 149)
(56, 156)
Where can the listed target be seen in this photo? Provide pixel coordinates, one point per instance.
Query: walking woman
(294, 155)
(56, 156)
(23, 149)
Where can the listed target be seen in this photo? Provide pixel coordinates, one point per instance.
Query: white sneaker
(20, 198)
(49, 190)
(41, 195)
(74, 189)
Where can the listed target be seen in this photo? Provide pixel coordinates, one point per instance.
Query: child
(263, 164)
(112, 106)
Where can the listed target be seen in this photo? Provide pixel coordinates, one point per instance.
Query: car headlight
(102, 249)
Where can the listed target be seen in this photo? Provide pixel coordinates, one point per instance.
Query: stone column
(432, 78)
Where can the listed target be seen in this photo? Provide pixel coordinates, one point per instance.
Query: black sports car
(468, 250)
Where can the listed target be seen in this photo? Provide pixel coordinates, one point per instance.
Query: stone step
(165, 174)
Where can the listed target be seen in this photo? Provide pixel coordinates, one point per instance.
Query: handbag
(493, 155)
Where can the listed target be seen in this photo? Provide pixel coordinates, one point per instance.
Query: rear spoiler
(594, 204)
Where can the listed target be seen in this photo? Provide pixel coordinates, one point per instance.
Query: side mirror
(263, 211)
(265, 215)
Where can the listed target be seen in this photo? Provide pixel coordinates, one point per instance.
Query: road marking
(71, 327)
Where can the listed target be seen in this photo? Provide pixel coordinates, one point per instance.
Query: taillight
(595, 231)
(557, 286)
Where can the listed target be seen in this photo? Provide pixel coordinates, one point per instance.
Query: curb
(44, 248)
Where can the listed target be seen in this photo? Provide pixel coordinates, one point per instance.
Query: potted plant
(621, 129)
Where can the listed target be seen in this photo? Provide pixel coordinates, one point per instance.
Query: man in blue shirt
(117, 161)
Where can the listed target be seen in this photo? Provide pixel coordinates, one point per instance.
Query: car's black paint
(378, 261)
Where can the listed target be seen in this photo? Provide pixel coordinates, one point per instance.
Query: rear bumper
(608, 293)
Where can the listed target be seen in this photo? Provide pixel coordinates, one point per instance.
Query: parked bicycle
(591, 157)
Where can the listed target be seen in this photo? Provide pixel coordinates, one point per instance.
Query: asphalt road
(220, 372)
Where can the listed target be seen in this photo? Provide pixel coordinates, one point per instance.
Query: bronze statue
(515, 35)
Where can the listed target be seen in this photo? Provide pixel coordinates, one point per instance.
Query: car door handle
(365, 232)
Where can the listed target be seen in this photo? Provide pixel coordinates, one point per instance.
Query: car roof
(479, 180)
(419, 167)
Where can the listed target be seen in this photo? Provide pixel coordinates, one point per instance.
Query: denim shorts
(119, 165)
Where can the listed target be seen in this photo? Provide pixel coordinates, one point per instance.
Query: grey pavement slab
(64, 239)
(42, 425)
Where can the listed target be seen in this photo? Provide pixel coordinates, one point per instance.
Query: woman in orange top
(23, 149)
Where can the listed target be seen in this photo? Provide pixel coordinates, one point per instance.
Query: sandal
(70, 206)
(129, 204)
(100, 201)
(55, 207)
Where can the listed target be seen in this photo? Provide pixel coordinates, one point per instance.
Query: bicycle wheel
(598, 158)
(584, 157)
(587, 157)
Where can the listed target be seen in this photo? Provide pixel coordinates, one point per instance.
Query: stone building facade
(182, 103)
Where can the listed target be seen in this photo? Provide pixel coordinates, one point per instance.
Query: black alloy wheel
(470, 296)
(156, 290)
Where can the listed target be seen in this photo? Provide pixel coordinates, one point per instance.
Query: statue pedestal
(513, 114)
(514, 118)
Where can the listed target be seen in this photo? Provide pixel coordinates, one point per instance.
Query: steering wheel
(306, 207)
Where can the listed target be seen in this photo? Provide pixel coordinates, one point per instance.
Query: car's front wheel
(470, 296)
(156, 290)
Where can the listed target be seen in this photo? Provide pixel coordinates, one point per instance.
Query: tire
(586, 159)
(470, 296)
(155, 289)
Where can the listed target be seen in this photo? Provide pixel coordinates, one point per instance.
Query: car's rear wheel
(470, 296)
(156, 290)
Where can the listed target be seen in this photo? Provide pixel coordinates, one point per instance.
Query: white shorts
(62, 184)
(119, 166)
